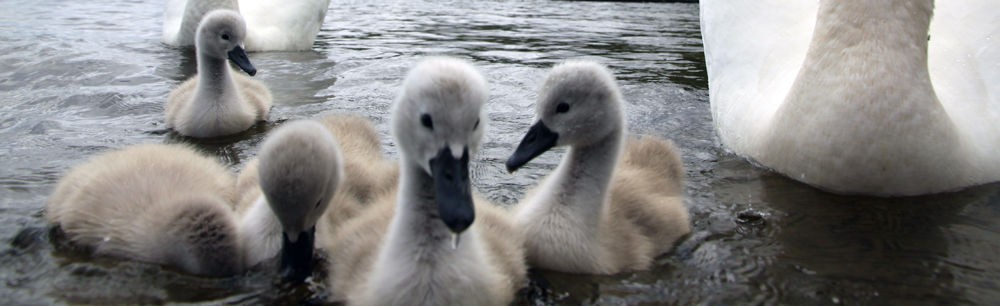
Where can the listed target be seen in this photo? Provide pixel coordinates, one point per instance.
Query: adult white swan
(894, 97)
(272, 25)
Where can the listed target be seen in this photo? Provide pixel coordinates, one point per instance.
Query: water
(81, 77)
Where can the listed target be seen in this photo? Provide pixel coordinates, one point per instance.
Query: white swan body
(272, 25)
(164, 204)
(216, 101)
(283, 25)
(400, 250)
(613, 203)
(284, 192)
(871, 98)
(181, 18)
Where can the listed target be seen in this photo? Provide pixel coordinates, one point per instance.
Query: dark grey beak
(538, 140)
(452, 190)
(296, 257)
(238, 56)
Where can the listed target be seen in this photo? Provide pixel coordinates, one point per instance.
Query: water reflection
(837, 248)
(179, 65)
(771, 240)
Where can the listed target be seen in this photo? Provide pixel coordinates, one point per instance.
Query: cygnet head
(437, 122)
(220, 36)
(578, 105)
(300, 170)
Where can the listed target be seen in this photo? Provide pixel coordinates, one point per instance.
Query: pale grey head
(578, 105)
(300, 170)
(437, 122)
(220, 36)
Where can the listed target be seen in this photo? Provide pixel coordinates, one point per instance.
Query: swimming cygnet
(164, 204)
(284, 192)
(429, 242)
(217, 101)
(600, 211)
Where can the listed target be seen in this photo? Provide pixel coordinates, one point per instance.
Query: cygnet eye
(476, 126)
(425, 119)
(318, 203)
(562, 107)
(225, 36)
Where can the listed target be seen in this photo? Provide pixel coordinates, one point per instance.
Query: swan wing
(964, 63)
(173, 15)
(282, 25)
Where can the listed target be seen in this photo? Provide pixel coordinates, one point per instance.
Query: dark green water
(81, 77)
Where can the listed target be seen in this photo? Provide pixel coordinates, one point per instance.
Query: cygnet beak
(538, 140)
(296, 257)
(453, 189)
(239, 56)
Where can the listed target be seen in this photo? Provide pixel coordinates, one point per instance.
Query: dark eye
(318, 203)
(477, 124)
(225, 36)
(425, 119)
(562, 107)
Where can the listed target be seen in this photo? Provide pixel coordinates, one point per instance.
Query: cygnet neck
(583, 178)
(215, 80)
(417, 209)
(260, 231)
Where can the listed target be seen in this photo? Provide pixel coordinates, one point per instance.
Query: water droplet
(749, 217)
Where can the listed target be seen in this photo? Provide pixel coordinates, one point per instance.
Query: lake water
(81, 77)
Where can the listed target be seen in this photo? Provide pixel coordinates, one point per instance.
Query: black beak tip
(239, 56)
(458, 223)
(511, 167)
(538, 140)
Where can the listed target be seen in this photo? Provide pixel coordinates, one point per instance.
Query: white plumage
(272, 25)
(874, 98)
